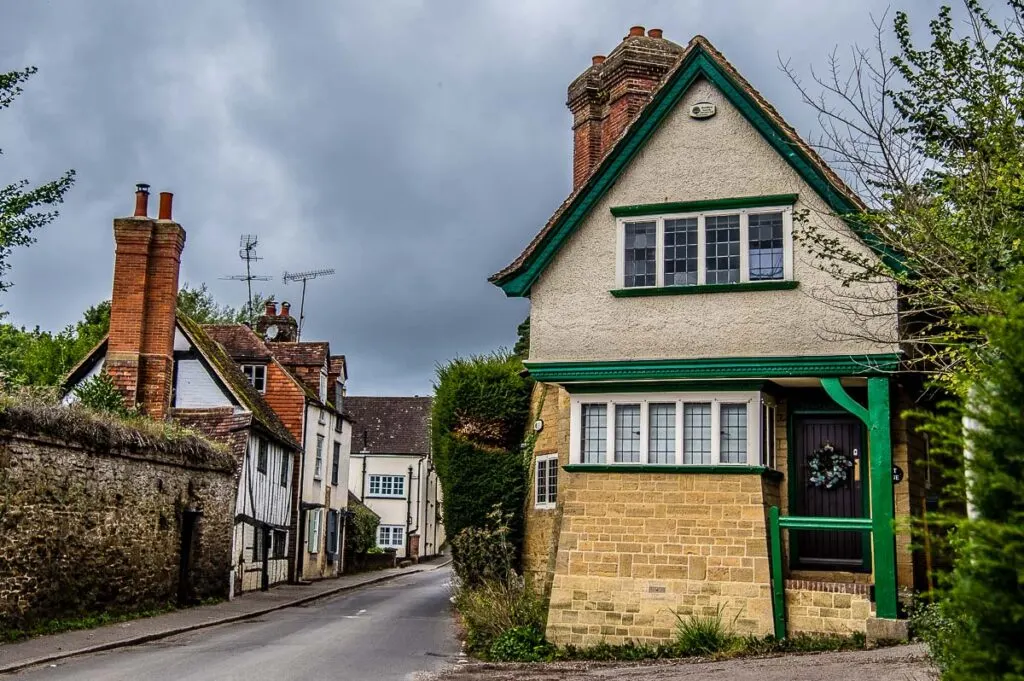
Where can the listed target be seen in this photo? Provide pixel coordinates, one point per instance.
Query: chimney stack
(607, 97)
(286, 326)
(140, 347)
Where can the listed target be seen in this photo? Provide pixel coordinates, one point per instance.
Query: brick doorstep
(31, 657)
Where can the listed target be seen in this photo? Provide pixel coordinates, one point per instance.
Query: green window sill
(641, 291)
(666, 468)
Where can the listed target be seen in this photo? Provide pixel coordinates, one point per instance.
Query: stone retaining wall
(83, 530)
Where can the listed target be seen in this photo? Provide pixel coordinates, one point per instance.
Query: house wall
(573, 316)
(320, 491)
(262, 498)
(86, 529)
(421, 501)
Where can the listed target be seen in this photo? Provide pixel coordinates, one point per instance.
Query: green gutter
(709, 204)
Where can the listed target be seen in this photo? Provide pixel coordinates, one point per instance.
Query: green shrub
(520, 644)
(361, 534)
(703, 635)
(485, 553)
(481, 406)
(495, 607)
(100, 394)
(930, 624)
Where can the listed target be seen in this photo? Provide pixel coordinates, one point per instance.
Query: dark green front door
(820, 490)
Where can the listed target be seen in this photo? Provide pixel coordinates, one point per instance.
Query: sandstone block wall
(827, 608)
(85, 530)
(636, 549)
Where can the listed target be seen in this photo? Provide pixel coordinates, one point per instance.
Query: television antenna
(304, 277)
(247, 252)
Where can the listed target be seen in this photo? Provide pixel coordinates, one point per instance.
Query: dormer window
(257, 375)
(708, 248)
(323, 385)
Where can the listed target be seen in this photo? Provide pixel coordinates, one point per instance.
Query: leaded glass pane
(697, 433)
(640, 254)
(542, 481)
(722, 249)
(681, 252)
(765, 246)
(552, 480)
(661, 445)
(733, 422)
(627, 433)
(594, 442)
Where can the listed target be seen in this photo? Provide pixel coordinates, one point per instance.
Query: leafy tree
(23, 209)
(933, 139)
(361, 535)
(522, 346)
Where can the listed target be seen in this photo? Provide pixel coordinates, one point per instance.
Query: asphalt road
(388, 631)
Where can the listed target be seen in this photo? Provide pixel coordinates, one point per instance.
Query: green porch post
(883, 539)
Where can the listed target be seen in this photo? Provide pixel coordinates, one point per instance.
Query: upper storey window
(712, 247)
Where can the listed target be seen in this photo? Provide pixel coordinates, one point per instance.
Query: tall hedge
(481, 406)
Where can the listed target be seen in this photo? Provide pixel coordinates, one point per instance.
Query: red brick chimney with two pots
(606, 97)
(140, 347)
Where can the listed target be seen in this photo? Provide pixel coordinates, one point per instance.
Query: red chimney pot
(166, 199)
(635, 31)
(597, 59)
(654, 33)
(141, 200)
(285, 307)
(271, 310)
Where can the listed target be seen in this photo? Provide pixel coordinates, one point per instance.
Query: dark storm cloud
(413, 146)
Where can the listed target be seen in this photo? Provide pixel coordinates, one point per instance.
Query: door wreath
(829, 466)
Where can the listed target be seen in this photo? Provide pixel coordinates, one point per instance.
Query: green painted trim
(665, 468)
(778, 578)
(710, 204)
(641, 291)
(697, 64)
(825, 523)
(663, 386)
(717, 367)
(835, 390)
(882, 507)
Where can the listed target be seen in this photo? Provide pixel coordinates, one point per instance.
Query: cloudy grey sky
(413, 145)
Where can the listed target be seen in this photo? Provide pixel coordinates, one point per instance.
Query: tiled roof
(393, 425)
(220, 424)
(354, 500)
(239, 340)
(701, 43)
(228, 371)
(303, 353)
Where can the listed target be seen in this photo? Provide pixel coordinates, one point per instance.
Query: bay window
(682, 429)
(712, 247)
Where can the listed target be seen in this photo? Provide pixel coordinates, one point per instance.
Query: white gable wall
(574, 317)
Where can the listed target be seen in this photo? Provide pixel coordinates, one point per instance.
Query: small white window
(390, 536)
(594, 434)
(318, 469)
(546, 481)
(387, 486)
(323, 385)
(257, 375)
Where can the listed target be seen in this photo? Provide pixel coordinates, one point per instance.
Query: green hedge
(481, 406)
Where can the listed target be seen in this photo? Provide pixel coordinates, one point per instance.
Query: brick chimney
(140, 348)
(286, 327)
(606, 97)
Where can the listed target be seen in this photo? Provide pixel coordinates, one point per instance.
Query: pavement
(49, 649)
(900, 663)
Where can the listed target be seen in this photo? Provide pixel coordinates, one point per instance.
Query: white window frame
(318, 464)
(755, 453)
(545, 461)
(396, 482)
(393, 531)
(250, 371)
(744, 213)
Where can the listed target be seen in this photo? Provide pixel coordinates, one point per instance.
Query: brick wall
(87, 530)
